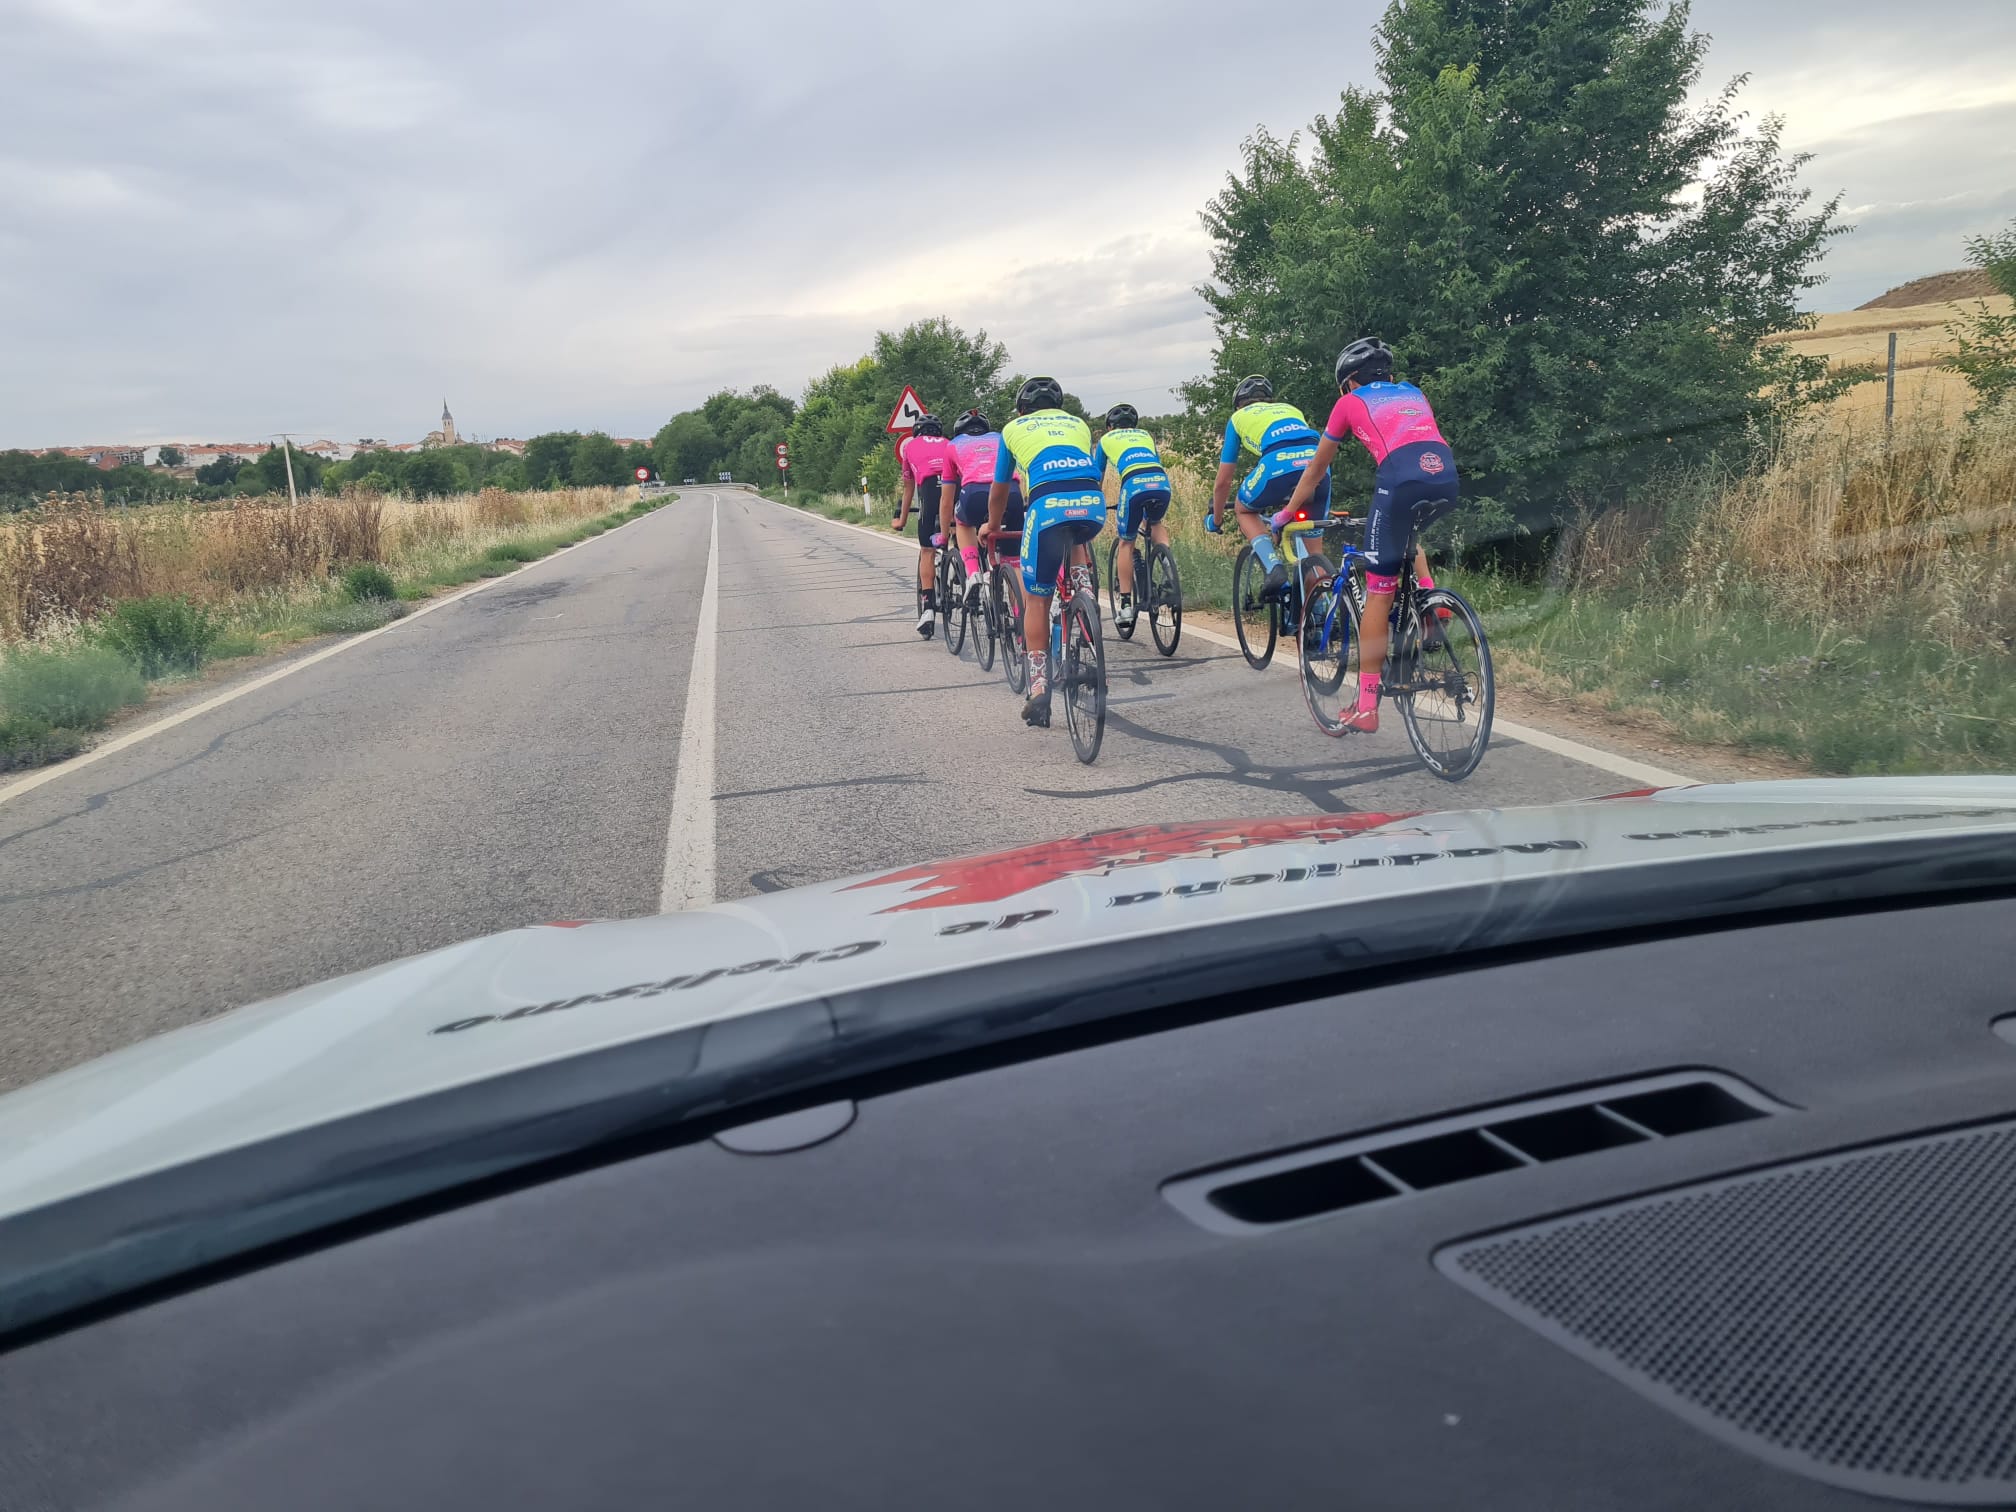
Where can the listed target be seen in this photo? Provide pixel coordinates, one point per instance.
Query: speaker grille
(1851, 1318)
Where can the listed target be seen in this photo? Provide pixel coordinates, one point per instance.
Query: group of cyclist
(1042, 476)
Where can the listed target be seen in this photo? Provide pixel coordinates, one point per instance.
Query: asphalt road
(517, 756)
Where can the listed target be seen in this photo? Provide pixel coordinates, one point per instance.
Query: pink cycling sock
(971, 556)
(1368, 690)
(1424, 582)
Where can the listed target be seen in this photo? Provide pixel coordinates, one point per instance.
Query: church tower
(447, 425)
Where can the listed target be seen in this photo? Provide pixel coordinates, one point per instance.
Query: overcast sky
(225, 218)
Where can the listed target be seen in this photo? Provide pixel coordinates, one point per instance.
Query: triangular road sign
(909, 410)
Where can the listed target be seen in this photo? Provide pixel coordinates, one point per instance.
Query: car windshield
(465, 473)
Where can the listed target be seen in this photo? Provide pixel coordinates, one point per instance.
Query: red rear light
(1301, 514)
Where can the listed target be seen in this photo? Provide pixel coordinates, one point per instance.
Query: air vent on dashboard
(1851, 1318)
(1309, 1183)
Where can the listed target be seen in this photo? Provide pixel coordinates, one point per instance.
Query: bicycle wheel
(1447, 696)
(939, 590)
(986, 630)
(1327, 656)
(952, 600)
(1083, 679)
(1253, 614)
(1113, 592)
(1014, 654)
(1165, 599)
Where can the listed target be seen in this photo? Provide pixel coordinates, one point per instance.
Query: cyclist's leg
(1387, 525)
(969, 515)
(1044, 547)
(1258, 498)
(1126, 523)
(927, 555)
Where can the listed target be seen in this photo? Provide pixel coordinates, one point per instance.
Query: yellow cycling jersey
(1263, 426)
(1130, 452)
(1052, 449)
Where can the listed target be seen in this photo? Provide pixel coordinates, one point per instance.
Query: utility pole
(1890, 390)
(287, 456)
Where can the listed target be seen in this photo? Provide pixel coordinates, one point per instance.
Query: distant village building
(446, 435)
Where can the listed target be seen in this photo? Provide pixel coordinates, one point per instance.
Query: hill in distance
(1938, 288)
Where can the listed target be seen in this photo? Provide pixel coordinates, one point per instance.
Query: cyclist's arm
(909, 493)
(1305, 487)
(1228, 469)
(997, 495)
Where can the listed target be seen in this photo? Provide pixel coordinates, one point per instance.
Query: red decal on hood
(1003, 874)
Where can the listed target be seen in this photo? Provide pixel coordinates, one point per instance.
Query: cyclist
(1394, 423)
(1144, 494)
(922, 456)
(1282, 443)
(1065, 508)
(975, 445)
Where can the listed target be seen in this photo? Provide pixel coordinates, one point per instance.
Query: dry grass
(1851, 605)
(1924, 341)
(74, 558)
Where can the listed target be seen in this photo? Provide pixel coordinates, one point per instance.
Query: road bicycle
(1260, 618)
(1158, 593)
(1437, 671)
(1001, 611)
(1078, 665)
(950, 586)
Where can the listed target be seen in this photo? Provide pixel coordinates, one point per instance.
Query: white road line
(689, 834)
(182, 716)
(1559, 745)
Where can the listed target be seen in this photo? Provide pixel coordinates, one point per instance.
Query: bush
(31, 742)
(76, 688)
(511, 551)
(366, 581)
(161, 635)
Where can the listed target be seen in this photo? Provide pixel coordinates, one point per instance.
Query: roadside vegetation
(98, 602)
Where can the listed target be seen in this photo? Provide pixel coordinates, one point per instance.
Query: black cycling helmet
(927, 425)
(1039, 393)
(972, 423)
(1122, 417)
(1251, 391)
(1366, 359)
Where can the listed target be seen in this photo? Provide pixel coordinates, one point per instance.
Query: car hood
(501, 1004)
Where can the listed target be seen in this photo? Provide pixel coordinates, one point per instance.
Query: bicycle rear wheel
(1113, 592)
(986, 629)
(1448, 696)
(952, 600)
(1083, 679)
(1014, 654)
(1165, 599)
(1327, 657)
(1253, 614)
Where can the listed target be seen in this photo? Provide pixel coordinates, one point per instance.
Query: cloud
(228, 217)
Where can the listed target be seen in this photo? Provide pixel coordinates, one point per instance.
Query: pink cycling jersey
(926, 457)
(973, 459)
(1385, 417)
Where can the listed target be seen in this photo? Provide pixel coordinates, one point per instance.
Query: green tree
(170, 456)
(433, 472)
(1987, 356)
(549, 459)
(222, 472)
(597, 461)
(270, 468)
(685, 446)
(1511, 209)
(637, 454)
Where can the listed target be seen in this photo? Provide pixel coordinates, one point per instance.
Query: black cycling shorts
(926, 505)
(971, 510)
(1410, 477)
(1144, 508)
